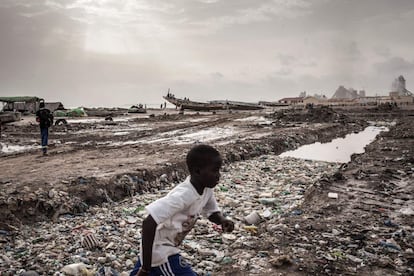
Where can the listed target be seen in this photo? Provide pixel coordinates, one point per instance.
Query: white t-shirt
(175, 215)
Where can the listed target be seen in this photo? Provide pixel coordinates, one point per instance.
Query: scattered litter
(333, 195)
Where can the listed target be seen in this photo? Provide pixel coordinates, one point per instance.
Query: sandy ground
(96, 161)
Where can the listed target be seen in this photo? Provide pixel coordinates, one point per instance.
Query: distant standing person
(45, 119)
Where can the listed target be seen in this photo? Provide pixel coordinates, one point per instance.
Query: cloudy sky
(118, 52)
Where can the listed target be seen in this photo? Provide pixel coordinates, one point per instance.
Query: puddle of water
(204, 135)
(85, 121)
(338, 150)
(7, 148)
(198, 120)
(256, 119)
(121, 133)
(109, 130)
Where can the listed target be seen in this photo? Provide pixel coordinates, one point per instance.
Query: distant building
(398, 87)
(343, 93)
(367, 100)
(292, 101)
(320, 96)
(351, 97)
(401, 99)
(340, 102)
(399, 94)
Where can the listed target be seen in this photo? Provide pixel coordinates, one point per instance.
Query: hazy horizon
(117, 53)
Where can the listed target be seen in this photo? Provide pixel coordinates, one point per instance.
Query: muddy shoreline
(368, 229)
(24, 200)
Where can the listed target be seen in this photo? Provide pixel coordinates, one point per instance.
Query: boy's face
(210, 175)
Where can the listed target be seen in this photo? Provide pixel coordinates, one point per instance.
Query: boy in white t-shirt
(170, 218)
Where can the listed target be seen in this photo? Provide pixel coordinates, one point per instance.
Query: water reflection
(338, 150)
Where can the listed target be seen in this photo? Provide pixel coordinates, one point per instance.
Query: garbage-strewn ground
(99, 176)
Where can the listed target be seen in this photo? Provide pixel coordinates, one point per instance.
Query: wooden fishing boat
(183, 104)
(212, 105)
(238, 105)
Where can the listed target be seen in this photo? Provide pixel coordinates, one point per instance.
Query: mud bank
(75, 177)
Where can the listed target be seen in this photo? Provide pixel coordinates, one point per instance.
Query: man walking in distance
(45, 119)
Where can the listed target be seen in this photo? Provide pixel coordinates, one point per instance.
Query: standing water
(338, 150)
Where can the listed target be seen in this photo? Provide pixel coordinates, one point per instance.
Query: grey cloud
(230, 90)
(222, 14)
(382, 51)
(352, 50)
(29, 44)
(286, 59)
(395, 65)
(309, 64)
(347, 50)
(290, 60)
(208, 1)
(217, 75)
(284, 71)
(44, 55)
(42, 48)
(349, 15)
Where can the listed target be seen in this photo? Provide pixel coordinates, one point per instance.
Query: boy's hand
(227, 225)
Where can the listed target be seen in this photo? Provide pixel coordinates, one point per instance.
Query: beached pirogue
(185, 103)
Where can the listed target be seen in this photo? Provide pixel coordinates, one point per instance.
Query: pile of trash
(257, 194)
(322, 114)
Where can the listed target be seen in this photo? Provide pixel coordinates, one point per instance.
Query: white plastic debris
(73, 269)
(408, 211)
(333, 195)
(267, 213)
(252, 218)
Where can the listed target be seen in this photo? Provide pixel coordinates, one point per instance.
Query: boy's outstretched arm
(225, 223)
(148, 233)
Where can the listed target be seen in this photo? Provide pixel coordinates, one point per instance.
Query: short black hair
(200, 156)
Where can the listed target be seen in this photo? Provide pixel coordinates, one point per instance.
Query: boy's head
(41, 104)
(204, 163)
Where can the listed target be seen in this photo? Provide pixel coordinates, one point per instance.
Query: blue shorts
(176, 265)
